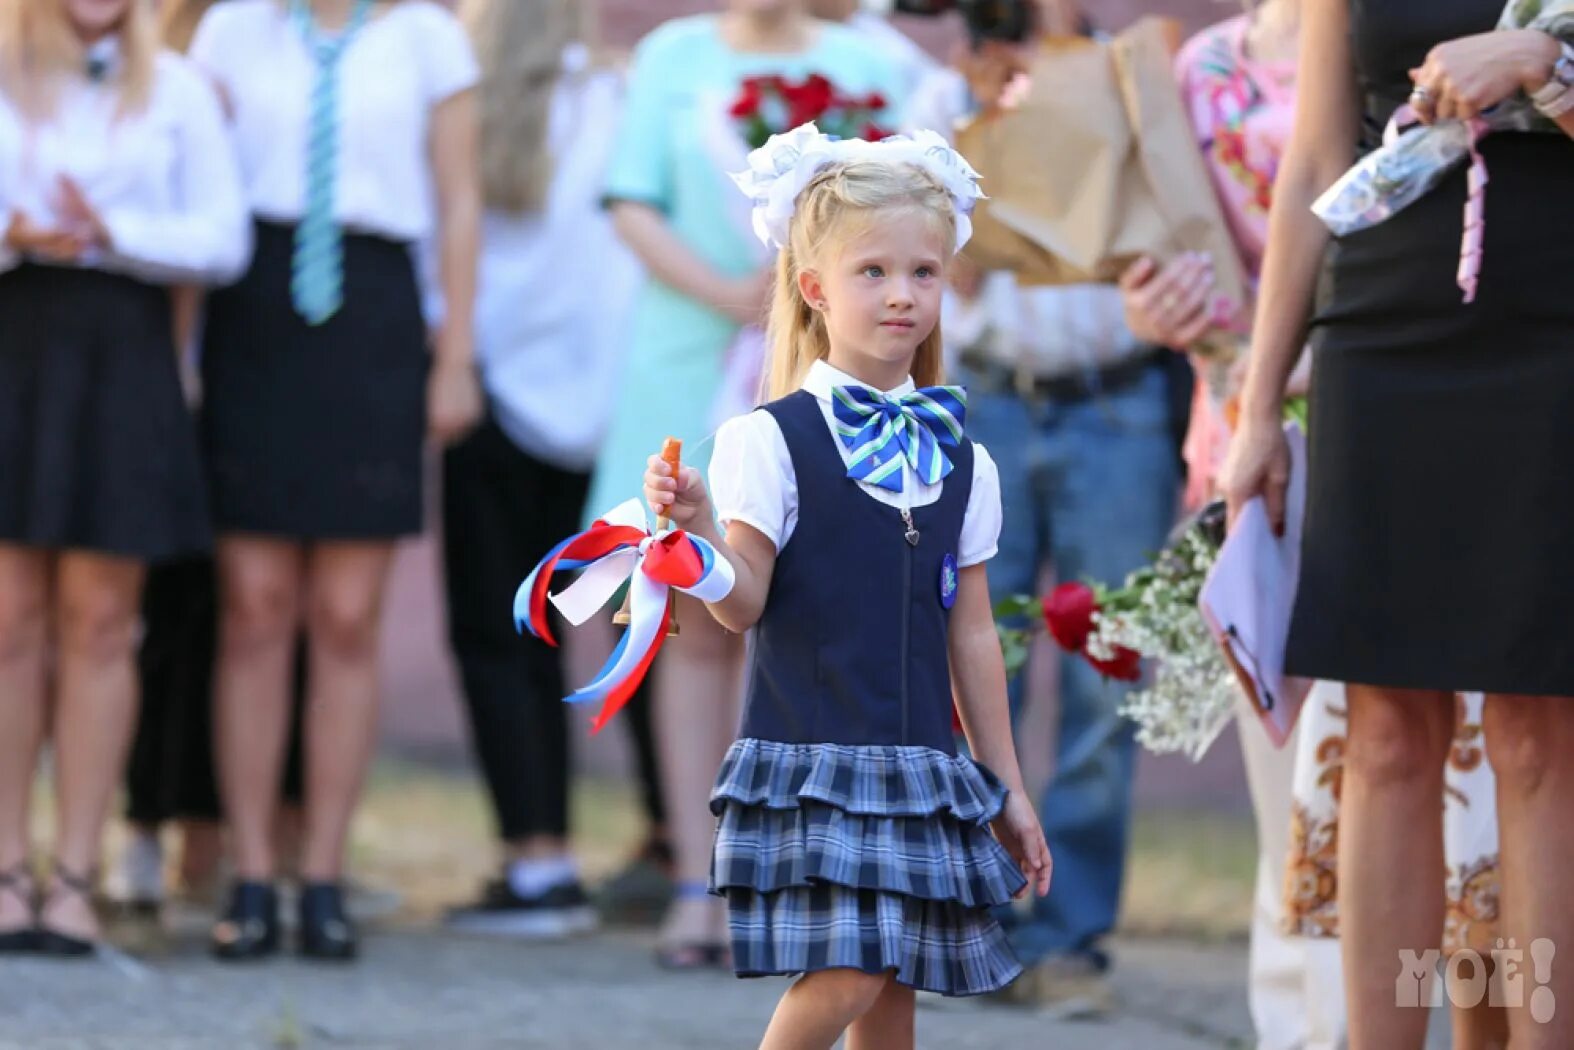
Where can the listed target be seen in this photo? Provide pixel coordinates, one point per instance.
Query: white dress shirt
(556, 287)
(164, 181)
(752, 478)
(406, 59)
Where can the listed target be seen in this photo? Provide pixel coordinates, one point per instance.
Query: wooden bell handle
(672, 456)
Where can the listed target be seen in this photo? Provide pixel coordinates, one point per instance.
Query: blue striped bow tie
(883, 431)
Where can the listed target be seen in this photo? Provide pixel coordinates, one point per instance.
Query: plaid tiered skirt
(875, 858)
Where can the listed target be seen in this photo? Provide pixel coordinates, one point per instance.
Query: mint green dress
(684, 77)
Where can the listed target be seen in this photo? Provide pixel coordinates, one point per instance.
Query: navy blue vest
(851, 647)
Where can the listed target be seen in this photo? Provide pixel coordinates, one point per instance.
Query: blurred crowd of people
(505, 249)
(559, 207)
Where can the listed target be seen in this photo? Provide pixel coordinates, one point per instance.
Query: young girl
(853, 842)
(666, 190)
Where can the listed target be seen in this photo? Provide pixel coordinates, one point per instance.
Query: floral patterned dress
(1242, 110)
(1470, 840)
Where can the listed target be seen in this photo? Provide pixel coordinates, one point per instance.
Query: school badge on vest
(948, 581)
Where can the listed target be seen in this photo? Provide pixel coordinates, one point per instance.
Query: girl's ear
(810, 288)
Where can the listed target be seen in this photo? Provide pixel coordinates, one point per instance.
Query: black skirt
(97, 448)
(315, 433)
(1439, 542)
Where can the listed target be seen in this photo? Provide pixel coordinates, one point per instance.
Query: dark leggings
(503, 510)
(170, 775)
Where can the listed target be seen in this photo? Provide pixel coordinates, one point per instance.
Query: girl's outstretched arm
(978, 680)
(685, 501)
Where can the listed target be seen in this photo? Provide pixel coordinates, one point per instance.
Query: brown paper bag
(1097, 166)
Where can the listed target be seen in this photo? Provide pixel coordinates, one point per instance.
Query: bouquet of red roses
(1153, 616)
(771, 105)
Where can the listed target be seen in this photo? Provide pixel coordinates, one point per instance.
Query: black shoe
(17, 881)
(640, 892)
(62, 945)
(250, 926)
(19, 942)
(561, 911)
(50, 941)
(325, 930)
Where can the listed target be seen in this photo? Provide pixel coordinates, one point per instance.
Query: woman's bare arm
(1321, 148)
(672, 262)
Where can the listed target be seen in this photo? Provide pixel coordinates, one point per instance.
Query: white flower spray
(1191, 694)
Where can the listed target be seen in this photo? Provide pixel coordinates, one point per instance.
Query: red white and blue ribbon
(617, 547)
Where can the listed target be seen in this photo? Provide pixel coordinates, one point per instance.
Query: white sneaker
(561, 911)
(138, 879)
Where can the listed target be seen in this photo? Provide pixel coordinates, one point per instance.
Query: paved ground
(426, 833)
(420, 989)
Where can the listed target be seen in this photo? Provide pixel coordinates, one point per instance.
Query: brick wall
(625, 21)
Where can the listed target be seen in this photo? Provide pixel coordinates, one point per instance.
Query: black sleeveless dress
(1439, 544)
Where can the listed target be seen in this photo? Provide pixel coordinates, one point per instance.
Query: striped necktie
(882, 432)
(317, 270)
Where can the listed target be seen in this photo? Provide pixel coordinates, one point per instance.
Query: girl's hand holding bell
(680, 498)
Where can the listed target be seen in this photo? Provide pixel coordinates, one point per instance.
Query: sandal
(56, 942)
(693, 954)
(12, 881)
(249, 927)
(696, 955)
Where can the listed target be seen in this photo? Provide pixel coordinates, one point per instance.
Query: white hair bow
(779, 170)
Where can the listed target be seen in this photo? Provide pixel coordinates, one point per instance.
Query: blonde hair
(178, 22)
(519, 44)
(39, 50)
(840, 202)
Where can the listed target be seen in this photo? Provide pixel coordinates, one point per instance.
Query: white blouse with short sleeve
(406, 59)
(163, 180)
(555, 286)
(752, 478)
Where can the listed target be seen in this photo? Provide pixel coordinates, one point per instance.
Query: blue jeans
(1091, 486)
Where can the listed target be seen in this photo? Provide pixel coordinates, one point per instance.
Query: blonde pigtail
(795, 331)
(39, 51)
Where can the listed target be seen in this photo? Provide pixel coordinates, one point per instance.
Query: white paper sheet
(1249, 596)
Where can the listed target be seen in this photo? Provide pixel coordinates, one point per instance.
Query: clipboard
(1249, 596)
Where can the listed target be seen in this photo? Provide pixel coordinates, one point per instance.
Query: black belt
(991, 377)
